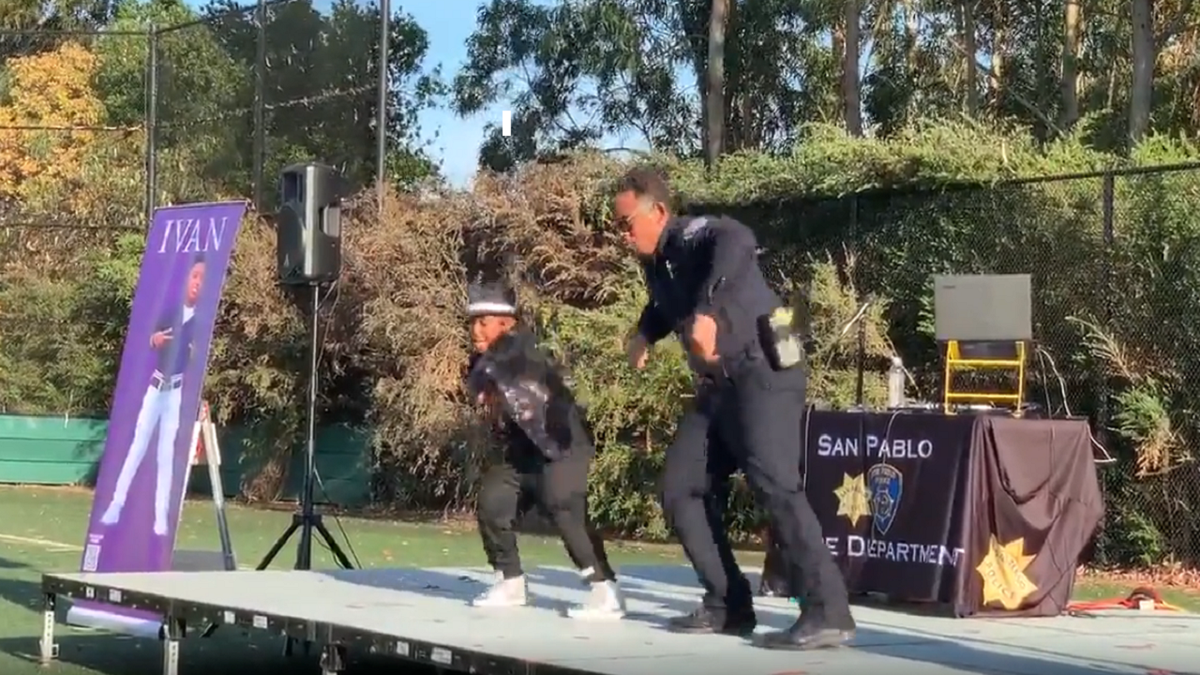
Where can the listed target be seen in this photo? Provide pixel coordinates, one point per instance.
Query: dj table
(988, 514)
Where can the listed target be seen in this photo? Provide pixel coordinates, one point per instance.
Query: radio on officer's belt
(779, 341)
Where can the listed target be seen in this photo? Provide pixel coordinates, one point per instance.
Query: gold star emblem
(1003, 573)
(852, 499)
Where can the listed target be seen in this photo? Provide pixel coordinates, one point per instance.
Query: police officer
(548, 451)
(705, 285)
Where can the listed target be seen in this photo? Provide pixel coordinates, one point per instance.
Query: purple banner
(143, 471)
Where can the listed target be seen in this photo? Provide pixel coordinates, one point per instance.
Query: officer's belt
(722, 371)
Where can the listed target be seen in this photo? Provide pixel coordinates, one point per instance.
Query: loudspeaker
(983, 307)
(309, 228)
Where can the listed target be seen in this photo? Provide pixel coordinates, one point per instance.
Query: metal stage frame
(421, 616)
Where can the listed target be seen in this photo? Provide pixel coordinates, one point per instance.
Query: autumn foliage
(45, 120)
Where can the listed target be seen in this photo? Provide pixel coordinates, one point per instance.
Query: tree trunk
(912, 53)
(1142, 87)
(971, 50)
(851, 97)
(1070, 65)
(715, 94)
(911, 14)
(999, 63)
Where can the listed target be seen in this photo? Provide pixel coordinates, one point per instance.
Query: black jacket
(706, 265)
(541, 415)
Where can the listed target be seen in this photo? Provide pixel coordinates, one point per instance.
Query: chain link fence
(99, 128)
(212, 107)
(1115, 264)
(282, 83)
(72, 183)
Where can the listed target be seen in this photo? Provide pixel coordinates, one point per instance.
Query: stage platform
(421, 615)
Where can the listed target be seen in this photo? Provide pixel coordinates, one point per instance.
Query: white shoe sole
(595, 614)
(493, 604)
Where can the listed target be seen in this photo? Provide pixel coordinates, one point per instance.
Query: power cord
(1062, 384)
(328, 319)
(887, 435)
(1062, 387)
(1045, 381)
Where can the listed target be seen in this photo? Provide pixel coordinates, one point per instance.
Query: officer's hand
(704, 337)
(637, 349)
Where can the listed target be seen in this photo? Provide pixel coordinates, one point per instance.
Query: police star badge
(852, 499)
(886, 485)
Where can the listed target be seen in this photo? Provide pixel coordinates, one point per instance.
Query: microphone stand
(861, 364)
(861, 355)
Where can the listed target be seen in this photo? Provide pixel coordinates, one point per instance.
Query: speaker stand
(307, 521)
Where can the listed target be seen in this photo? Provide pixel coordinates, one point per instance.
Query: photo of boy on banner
(173, 341)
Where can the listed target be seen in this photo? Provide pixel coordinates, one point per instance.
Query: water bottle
(896, 383)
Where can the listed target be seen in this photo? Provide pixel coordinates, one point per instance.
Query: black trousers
(559, 490)
(749, 419)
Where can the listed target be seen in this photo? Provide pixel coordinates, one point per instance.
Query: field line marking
(63, 547)
(37, 541)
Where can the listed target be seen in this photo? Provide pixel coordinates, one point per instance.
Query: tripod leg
(278, 546)
(333, 660)
(334, 548)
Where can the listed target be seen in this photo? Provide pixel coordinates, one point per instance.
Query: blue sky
(454, 141)
(449, 24)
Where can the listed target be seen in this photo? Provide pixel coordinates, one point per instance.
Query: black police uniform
(746, 416)
(547, 452)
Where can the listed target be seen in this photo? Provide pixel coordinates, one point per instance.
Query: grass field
(41, 529)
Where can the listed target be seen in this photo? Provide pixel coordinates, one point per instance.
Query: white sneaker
(112, 514)
(605, 603)
(504, 593)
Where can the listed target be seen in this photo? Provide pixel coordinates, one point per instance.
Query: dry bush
(51, 250)
(404, 264)
(550, 224)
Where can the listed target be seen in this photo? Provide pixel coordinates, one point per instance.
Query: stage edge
(335, 639)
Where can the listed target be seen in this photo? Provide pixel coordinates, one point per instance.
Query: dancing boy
(548, 451)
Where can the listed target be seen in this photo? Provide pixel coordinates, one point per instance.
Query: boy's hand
(492, 409)
(637, 350)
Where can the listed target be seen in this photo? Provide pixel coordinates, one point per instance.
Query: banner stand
(206, 450)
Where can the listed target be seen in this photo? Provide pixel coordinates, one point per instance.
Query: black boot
(740, 622)
(809, 633)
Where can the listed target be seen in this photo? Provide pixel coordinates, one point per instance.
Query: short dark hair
(198, 259)
(646, 181)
